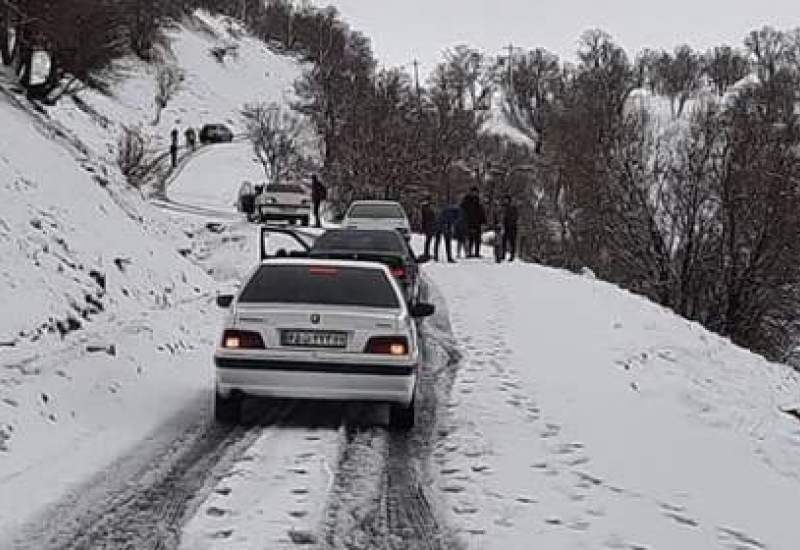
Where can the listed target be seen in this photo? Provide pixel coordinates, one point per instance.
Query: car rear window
(389, 241)
(284, 189)
(320, 284)
(376, 211)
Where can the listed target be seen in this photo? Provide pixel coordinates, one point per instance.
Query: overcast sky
(402, 30)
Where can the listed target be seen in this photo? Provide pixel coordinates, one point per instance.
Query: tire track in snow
(148, 510)
(380, 497)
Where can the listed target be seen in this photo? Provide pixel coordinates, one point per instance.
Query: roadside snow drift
(108, 322)
(587, 417)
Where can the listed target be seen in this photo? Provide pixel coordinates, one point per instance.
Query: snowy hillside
(583, 416)
(106, 325)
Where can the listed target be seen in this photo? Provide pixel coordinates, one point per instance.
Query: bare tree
(168, 81)
(135, 157)
(725, 66)
(274, 133)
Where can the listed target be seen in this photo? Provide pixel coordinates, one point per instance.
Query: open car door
(282, 242)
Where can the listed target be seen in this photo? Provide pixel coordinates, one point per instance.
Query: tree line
(80, 39)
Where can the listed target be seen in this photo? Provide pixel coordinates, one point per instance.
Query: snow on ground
(212, 179)
(112, 320)
(585, 417)
(272, 497)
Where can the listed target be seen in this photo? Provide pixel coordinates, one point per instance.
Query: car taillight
(242, 339)
(387, 345)
(399, 272)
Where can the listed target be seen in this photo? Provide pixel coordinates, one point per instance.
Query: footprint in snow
(464, 509)
(222, 534)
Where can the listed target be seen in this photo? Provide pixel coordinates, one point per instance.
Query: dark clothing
(318, 191)
(474, 241)
(318, 194)
(474, 214)
(509, 243)
(173, 153)
(448, 218)
(474, 217)
(191, 138)
(510, 217)
(428, 220)
(248, 204)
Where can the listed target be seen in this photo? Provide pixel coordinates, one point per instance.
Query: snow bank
(584, 417)
(108, 318)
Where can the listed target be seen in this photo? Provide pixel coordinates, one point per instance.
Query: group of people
(191, 143)
(465, 222)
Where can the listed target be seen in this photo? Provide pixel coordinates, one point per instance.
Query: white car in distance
(287, 202)
(377, 215)
(319, 329)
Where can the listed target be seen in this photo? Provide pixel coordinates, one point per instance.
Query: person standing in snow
(429, 224)
(173, 148)
(447, 221)
(319, 193)
(191, 138)
(475, 217)
(510, 221)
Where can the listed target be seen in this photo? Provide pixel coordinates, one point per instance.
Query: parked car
(378, 245)
(284, 202)
(215, 133)
(377, 215)
(319, 329)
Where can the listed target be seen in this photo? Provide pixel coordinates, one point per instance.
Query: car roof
(375, 202)
(392, 240)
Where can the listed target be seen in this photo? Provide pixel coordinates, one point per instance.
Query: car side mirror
(224, 300)
(420, 310)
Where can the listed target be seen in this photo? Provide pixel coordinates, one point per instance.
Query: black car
(215, 133)
(385, 246)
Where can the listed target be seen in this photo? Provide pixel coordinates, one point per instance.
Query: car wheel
(305, 221)
(401, 419)
(227, 410)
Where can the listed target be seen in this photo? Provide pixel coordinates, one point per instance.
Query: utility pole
(510, 67)
(416, 82)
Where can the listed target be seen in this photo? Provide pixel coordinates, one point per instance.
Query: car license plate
(313, 339)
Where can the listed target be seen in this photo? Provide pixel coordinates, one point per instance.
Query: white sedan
(319, 329)
(287, 202)
(377, 215)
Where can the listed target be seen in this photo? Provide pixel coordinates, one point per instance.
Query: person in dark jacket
(319, 193)
(173, 148)
(475, 217)
(447, 221)
(510, 222)
(429, 225)
(191, 138)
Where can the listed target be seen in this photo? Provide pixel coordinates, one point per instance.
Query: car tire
(401, 419)
(305, 221)
(227, 410)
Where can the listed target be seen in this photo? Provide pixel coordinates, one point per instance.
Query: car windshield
(389, 241)
(320, 284)
(386, 210)
(284, 189)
